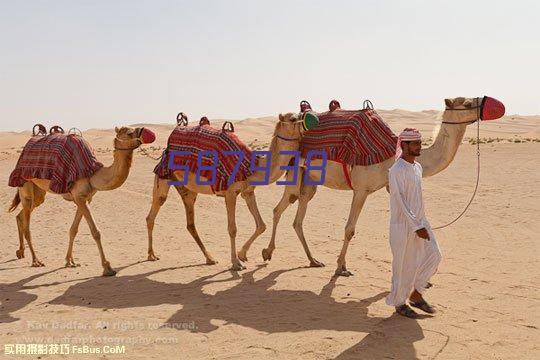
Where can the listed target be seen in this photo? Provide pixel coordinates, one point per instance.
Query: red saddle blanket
(195, 139)
(60, 158)
(353, 137)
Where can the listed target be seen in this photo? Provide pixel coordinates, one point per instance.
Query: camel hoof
(109, 272)
(37, 263)
(210, 261)
(343, 272)
(315, 263)
(266, 254)
(152, 257)
(20, 253)
(242, 255)
(72, 264)
(237, 267)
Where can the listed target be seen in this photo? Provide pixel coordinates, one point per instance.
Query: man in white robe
(416, 254)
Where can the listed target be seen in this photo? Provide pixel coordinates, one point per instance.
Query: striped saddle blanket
(60, 158)
(352, 137)
(195, 139)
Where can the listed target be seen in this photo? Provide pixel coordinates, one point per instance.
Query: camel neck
(438, 156)
(278, 160)
(113, 176)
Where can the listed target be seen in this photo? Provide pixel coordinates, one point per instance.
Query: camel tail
(16, 201)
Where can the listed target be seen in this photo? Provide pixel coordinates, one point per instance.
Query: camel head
(128, 138)
(292, 126)
(463, 110)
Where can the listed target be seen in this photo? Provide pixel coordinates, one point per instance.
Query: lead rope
(145, 152)
(477, 177)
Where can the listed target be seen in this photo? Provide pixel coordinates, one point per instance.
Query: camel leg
(306, 194)
(27, 192)
(359, 198)
(72, 233)
(19, 218)
(81, 204)
(290, 195)
(38, 197)
(260, 226)
(189, 198)
(159, 196)
(230, 202)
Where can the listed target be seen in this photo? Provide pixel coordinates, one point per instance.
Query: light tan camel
(368, 179)
(32, 194)
(287, 135)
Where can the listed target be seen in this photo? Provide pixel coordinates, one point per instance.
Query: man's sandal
(424, 306)
(406, 311)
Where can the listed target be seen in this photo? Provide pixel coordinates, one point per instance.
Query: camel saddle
(60, 158)
(204, 137)
(351, 137)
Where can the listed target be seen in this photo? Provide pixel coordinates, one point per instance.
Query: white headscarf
(408, 134)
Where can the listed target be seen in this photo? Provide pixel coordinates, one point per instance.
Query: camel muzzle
(147, 136)
(491, 109)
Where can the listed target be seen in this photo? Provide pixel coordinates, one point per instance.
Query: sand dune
(486, 289)
(258, 130)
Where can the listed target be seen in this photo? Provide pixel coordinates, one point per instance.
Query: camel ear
(116, 129)
(449, 103)
(459, 101)
(281, 117)
(468, 103)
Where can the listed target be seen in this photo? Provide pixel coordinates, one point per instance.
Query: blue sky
(105, 63)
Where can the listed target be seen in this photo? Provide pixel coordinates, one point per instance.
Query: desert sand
(486, 290)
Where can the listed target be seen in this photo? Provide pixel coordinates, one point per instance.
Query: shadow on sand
(14, 298)
(252, 303)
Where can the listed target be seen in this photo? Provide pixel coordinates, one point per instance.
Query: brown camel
(287, 135)
(32, 194)
(459, 113)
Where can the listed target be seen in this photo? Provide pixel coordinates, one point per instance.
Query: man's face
(413, 148)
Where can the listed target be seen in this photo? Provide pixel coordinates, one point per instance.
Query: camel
(286, 137)
(459, 113)
(32, 195)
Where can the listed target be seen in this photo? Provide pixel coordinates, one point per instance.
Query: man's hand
(423, 233)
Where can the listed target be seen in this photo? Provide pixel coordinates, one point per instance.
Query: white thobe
(415, 259)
